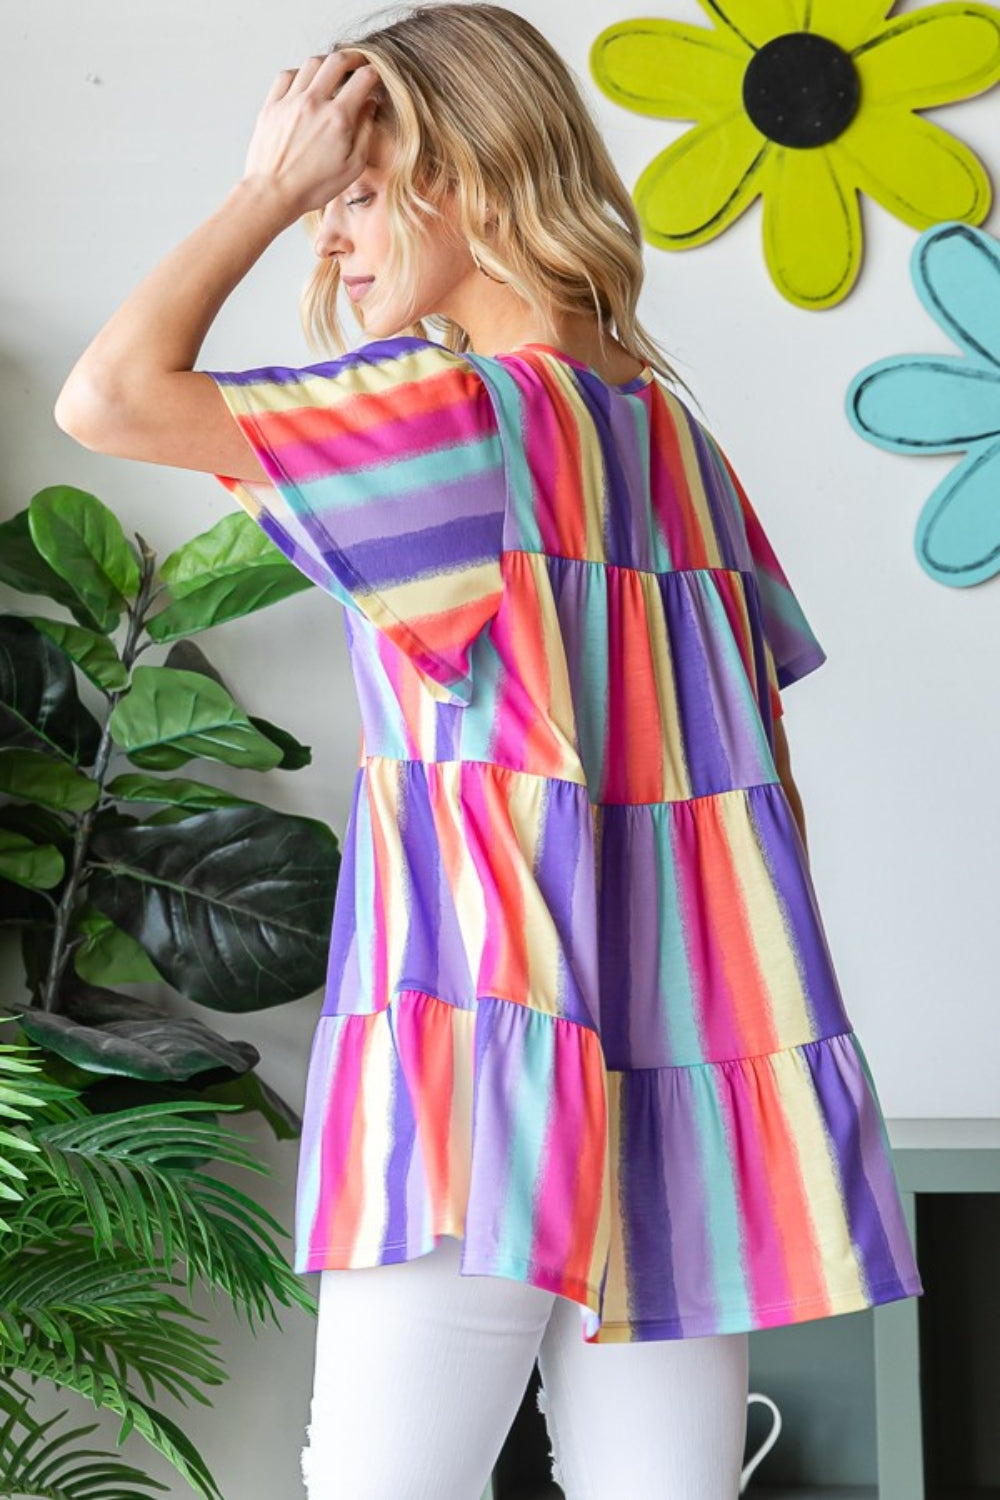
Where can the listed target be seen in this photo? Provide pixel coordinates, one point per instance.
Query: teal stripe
(322, 1063)
(657, 553)
(535, 1072)
(522, 522)
(386, 481)
(592, 673)
(722, 1209)
(680, 1009)
(478, 730)
(738, 693)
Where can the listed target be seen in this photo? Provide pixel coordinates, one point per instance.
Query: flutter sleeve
(791, 647)
(386, 486)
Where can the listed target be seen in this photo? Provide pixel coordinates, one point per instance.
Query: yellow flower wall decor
(807, 103)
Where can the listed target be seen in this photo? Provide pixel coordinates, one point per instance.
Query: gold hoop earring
(479, 267)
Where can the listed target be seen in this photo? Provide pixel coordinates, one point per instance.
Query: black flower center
(801, 89)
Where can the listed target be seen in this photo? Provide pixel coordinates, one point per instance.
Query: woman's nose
(329, 237)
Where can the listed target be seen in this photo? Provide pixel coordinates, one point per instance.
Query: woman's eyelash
(363, 199)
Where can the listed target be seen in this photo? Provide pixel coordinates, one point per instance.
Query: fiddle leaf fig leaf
(170, 716)
(179, 791)
(94, 654)
(108, 955)
(23, 567)
(35, 776)
(153, 1047)
(233, 545)
(227, 598)
(189, 657)
(38, 866)
(252, 1093)
(39, 705)
(233, 905)
(82, 540)
(294, 755)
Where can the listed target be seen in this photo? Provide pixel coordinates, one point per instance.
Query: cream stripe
(829, 1227)
(466, 886)
(543, 944)
(676, 780)
(561, 711)
(463, 1025)
(692, 470)
(385, 779)
(592, 473)
(616, 1289)
(776, 956)
(376, 1108)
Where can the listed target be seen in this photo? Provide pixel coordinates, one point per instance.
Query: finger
(305, 75)
(340, 76)
(279, 88)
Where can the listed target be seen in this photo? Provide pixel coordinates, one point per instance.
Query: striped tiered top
(580, 1009)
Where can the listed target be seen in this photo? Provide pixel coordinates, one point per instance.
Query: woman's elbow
(80, 412)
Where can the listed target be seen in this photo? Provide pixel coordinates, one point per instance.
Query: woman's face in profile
(356, 229)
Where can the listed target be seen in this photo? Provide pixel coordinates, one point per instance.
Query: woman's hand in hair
(313, 132)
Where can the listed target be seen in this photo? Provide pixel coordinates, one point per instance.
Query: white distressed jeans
(420, 1371)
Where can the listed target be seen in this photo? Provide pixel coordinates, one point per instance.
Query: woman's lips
(357, 289)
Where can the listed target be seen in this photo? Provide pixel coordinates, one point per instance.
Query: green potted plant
(96, 1213)
(114, 868)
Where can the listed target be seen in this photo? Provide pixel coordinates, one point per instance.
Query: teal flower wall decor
(931, 403)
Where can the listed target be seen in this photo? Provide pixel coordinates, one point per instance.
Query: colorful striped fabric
(580, 1010)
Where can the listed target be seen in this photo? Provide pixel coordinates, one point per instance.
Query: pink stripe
(336, 1223)
(712, 1003)
(763, 1256)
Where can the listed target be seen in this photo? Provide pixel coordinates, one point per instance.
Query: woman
(582, 1039)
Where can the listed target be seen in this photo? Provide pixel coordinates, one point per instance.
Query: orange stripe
(792, 1216)
(357, 412)
(750, 1014)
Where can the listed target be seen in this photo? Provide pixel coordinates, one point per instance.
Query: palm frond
(130, 1174)
(31, 1462)
(103, 1388)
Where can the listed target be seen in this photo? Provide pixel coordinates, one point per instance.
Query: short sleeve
(386, 486)
(793, 650)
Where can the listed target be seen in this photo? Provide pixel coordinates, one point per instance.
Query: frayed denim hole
(543, 1407)
(306, 1465)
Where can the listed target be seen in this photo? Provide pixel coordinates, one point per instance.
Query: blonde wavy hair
(473, 97)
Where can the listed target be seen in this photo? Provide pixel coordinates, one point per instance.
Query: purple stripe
(555, 868)
(377, 352)
(646, 1040)
(571, 580)
(404, 1143)
(643, 1170)
(685, 1174)
(361, 517)
(615, 946)
(343, 932)
(434, 957)
(734, 709)
(755, 616)
(718, 496)
(708, 765)
(780, 844)
(867, 1184)
(383, 562)
(499, 1045)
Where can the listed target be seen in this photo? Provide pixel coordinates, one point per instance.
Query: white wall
(124, 127)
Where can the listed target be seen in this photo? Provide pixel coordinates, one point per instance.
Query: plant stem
(81, 843)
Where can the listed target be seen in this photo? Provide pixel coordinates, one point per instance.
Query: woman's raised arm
(134, 392)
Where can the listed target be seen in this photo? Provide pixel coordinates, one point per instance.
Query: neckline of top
(643, 378)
